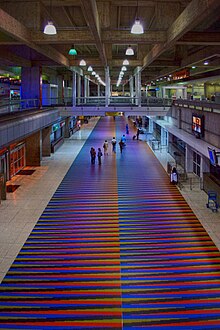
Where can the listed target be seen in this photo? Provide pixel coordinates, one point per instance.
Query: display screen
(197, 125)
(212, 156)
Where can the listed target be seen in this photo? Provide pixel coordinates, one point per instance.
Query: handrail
(111, 101)
(8, 106)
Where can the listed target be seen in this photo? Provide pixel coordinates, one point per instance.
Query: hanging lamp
(50, 29)
(137, 27)
(129, 51)
(82, 63)
(125, 62)
(72, 51)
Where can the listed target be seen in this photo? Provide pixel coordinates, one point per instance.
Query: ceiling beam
(18, 31)
(84, 36)
(14, 59)
(203, 54)
(69, 16)
(125, 3)
(125, 37)
(193, 14)
(200, 38)
(90, 12)
(76, 37)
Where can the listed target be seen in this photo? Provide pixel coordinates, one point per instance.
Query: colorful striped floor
(117, 247)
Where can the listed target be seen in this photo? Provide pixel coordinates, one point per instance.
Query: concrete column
(131, 86)
(31, 83)
(188, 159)
(107, 86)
(151, 126)
(66, 127)
(193, 91)
(74, 89)
(33, 146)
(61, 86)
(205, 90)
(46, 146)
(79, 89)
(138, 85)
(85, 89)
(163, 138)
(88, 87)
(205, 165)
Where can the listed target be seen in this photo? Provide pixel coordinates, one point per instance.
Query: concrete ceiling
(178, 34)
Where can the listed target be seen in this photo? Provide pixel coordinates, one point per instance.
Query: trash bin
(2, 187)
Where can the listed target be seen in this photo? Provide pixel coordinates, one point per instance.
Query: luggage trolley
(212, 201)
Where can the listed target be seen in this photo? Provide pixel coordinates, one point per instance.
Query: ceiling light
(72, 51)
(124, 68)
(90, 69)
(137, 27)
(50, 29)
(206, 63)
(126, 62)
(82, 63)
(193, 67)
(93, 73)
(129, 51)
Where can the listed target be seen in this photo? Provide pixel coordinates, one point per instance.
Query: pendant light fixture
(72, 51)
(125, 62)
(82, 63)
(90, 69)
(50, 29)
(137, 27)
(129, 51)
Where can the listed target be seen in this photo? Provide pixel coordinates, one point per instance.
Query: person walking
(114, 145)
(105, 147)
(99, 156)
(123, 139)
(138, 132)
(127, 129)
(174, 176)
(121, 145)
(93, 155)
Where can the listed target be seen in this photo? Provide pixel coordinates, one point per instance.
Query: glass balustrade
(8, 106)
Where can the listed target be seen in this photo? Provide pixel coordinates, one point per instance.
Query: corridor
(116, 247)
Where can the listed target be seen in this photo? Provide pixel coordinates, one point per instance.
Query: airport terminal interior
(128, 237)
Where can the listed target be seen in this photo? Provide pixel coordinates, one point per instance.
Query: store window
(196, 163)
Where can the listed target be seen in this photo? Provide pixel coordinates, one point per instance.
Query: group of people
(122, 144)
(93, 155)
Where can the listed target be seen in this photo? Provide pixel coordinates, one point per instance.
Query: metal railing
(112, 101)
(8, 106)
(188, 182)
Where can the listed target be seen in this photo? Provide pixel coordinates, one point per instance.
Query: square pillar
(31, 83)
(33, 149)
(46, 145)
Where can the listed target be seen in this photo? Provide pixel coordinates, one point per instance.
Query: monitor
(212, 156)
(198, 125)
